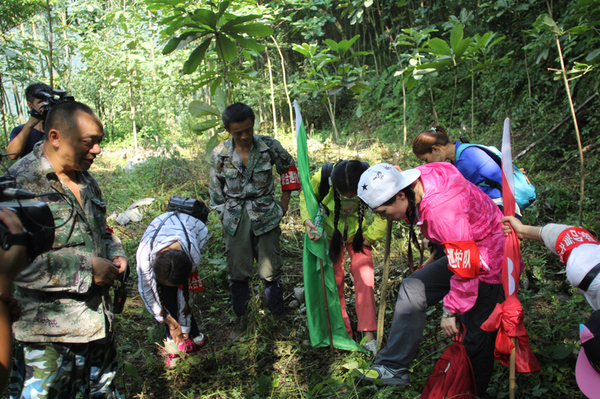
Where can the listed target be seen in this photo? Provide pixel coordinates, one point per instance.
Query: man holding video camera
(65, 336)
(24, 137)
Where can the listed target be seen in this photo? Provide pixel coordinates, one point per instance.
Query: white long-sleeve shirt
(170, 231)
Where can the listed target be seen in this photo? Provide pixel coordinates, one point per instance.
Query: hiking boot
(371, 346)
(385, 375)
(172, 361)
(239, 328)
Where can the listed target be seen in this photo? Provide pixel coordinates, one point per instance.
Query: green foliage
(16, 11)
(216, 29)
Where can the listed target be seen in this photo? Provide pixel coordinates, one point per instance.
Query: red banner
(463, 258)
(195, 283)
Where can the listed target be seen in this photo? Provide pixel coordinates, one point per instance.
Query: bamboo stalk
(578, 136)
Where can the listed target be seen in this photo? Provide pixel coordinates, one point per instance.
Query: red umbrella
(512, 342)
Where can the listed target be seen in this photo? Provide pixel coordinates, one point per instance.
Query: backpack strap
(176, 213)
(495, 157)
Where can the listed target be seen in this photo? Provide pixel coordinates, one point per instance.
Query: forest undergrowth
(263, 364)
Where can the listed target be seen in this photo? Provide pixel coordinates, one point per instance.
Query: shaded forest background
(369, 75)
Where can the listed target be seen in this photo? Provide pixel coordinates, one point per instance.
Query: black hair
(411, 215)
(236, 113)
(172, 267)
(62, 117)
(344, 179)
(34, 90)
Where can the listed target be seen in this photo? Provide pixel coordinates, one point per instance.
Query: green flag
(314, 257)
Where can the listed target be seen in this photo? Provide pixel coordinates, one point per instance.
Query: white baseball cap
(381, 182)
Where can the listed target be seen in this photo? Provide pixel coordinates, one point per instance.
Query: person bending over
(168, 255)
(344, 228)
(455, 213)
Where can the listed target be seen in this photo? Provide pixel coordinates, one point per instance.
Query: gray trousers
(425, 288)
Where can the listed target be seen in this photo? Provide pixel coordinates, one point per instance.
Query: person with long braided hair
(344, 228)
(455, 213)
(167, 260)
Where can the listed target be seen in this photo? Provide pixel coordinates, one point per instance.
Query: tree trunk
(2, 109)
(17, 103)
(50, 43)
(331, 111)
(132, 108)
(287, 93)
(272, 90)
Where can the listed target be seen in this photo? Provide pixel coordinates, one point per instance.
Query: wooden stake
(326, 307)
(384, 283)
(512, 376)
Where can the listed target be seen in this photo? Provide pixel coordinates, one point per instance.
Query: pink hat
(587, 370)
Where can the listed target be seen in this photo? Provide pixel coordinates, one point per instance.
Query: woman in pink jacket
(455, 213)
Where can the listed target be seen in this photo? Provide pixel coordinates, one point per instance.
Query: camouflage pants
(61, 370)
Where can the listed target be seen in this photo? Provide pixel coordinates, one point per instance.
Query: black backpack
(191, 206)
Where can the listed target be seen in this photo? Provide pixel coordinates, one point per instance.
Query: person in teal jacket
(344, 229)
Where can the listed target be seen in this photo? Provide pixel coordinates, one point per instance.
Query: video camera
(35, 216)
(51, 99)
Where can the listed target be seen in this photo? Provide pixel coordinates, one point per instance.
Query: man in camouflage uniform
(64, 338)
(242, 192)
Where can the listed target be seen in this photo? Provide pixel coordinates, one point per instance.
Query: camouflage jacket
(58, 298)
(235, 187)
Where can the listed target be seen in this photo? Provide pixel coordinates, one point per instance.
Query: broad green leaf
(439, 46)
(171, 45)
(456, 36)
(249, 43)
(225, 48)
(332, 45)
(238, 20)
(199, 108)
(301, 50)
(215, 84)
(222, 7)
(592, 57)
(206, 125)
(410, 83)
(196, 57)
(359, 54)
(460, 48)
(205, 17)
(253, 29)
(345, 45)
(545, 22)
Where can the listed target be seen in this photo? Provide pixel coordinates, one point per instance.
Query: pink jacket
(454, 209)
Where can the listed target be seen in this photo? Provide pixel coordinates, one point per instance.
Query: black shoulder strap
(182, 226)
(495, 157)
(324, 185)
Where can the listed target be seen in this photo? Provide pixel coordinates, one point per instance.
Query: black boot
(240, 295)
(274, 295)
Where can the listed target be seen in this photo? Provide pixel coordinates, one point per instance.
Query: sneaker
(385, 375)
(172, 361)
(371, 346)
(189, 345)
(239, 328)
